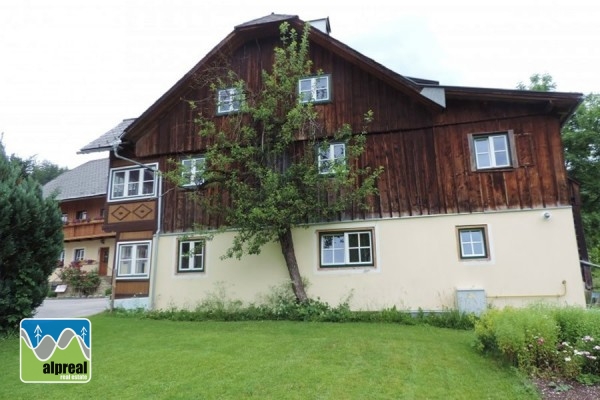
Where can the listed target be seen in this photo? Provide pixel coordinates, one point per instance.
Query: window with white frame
(65, 218)
(138, 182)
(492, 150)
(78, 254)
(61, 258)
(473, 242)
(191, 171)
(191, 256)
(133, 259)
(229, 100)
(314, 89)
(346, 249)
(330, 156)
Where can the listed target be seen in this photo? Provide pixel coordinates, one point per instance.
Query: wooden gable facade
(423, 144)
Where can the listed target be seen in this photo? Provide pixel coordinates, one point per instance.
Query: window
(314, 89)
(61, 259)
(330, 156)
(346, 249)
(191, 256)
(191, 173)
(132, 183)
(65, 219)
(81, 215)
(79, 255)
(493, 150)
(133, 259)
(229, 100)
(472, 242)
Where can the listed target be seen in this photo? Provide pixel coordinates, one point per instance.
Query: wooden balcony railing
(85, 230)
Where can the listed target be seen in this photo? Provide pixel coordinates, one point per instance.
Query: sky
(70, 70)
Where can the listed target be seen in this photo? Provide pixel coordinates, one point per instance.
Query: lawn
(147, 359)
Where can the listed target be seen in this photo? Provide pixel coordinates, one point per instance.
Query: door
(103, 263)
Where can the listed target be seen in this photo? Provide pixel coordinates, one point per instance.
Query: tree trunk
(287, 247)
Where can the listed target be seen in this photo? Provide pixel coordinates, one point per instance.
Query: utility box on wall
(471, 301)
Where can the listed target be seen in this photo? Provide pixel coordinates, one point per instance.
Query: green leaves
(31, 241)
(581, 139)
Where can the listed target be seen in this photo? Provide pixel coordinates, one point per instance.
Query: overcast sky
(70, 70)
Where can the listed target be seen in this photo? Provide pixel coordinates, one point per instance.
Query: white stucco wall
(92, 252)
(417, 265)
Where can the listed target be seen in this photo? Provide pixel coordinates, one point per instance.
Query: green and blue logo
(56, 350)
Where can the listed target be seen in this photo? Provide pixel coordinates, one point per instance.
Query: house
(81, 193)
(475, 208)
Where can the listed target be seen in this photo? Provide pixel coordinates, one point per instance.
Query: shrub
(544, 340)
(281, 304)
(31, 242)
(85, 283)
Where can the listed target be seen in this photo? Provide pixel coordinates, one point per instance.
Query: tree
(581, 138)
(539, 82)
(43, 172)
(31, 240)
(272, 180)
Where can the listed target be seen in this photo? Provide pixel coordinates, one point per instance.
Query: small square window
(473, 242)
(81, 215)
(191, 256)
(331, 156)
(346, 249)
(79, 255)
(314, 89)
(229, 100)
(192, 169)
(492, 150)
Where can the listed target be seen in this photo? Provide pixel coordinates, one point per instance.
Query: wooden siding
(142, 213)
(354, 93)
(424, 152)
(88, 228)
(131, 288)
(428, 171)
(85, 230)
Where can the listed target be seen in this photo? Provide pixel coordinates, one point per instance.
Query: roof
(106, 141)
(562, 103)
(269, 26)
(266, 19)
(87, 180)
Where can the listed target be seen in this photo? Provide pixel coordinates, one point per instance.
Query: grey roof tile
(106, 141)
(87, 180)
(266, 19)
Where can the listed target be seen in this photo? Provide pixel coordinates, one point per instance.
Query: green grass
(148, 359)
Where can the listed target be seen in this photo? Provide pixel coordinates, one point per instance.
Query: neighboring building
(474, 205)
(81, 193)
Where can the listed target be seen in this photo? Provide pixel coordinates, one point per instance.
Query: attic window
(315, 89)
(228, 100)
(191, 173)
(492, 150)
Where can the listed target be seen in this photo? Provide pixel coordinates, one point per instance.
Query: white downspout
(156, 236)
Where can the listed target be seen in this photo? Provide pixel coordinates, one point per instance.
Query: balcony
(85, 229)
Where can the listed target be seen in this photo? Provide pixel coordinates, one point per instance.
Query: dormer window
(229, 100)
(191, 173)
(314, 89)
